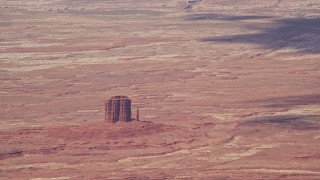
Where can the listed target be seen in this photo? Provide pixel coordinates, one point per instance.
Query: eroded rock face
(118, 108)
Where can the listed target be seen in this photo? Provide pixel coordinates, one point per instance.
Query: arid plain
(227, 89)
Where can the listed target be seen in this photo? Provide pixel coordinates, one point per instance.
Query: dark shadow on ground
(212, 16)
(299, 35)
(290, 101)
(296, 122)
(292, 121)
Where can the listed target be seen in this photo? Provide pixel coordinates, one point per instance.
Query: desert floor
(227, 89)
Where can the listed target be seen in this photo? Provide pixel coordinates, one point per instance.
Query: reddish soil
(226, 89)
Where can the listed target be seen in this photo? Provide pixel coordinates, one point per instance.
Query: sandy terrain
(226, 89)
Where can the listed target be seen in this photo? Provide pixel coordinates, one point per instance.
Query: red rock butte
(118, 108)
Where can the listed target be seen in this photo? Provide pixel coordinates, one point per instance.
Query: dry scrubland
(227, 89)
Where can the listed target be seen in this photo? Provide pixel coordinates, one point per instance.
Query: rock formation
(118, 108)
(137, 114)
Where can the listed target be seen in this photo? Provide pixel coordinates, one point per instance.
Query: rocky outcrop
(118, 108)
(190, 3)
(137, 115)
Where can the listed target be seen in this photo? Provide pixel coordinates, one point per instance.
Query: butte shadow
(300, 35)
(304, 120)
(294, 122)
(213, 16)
(288, 101)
